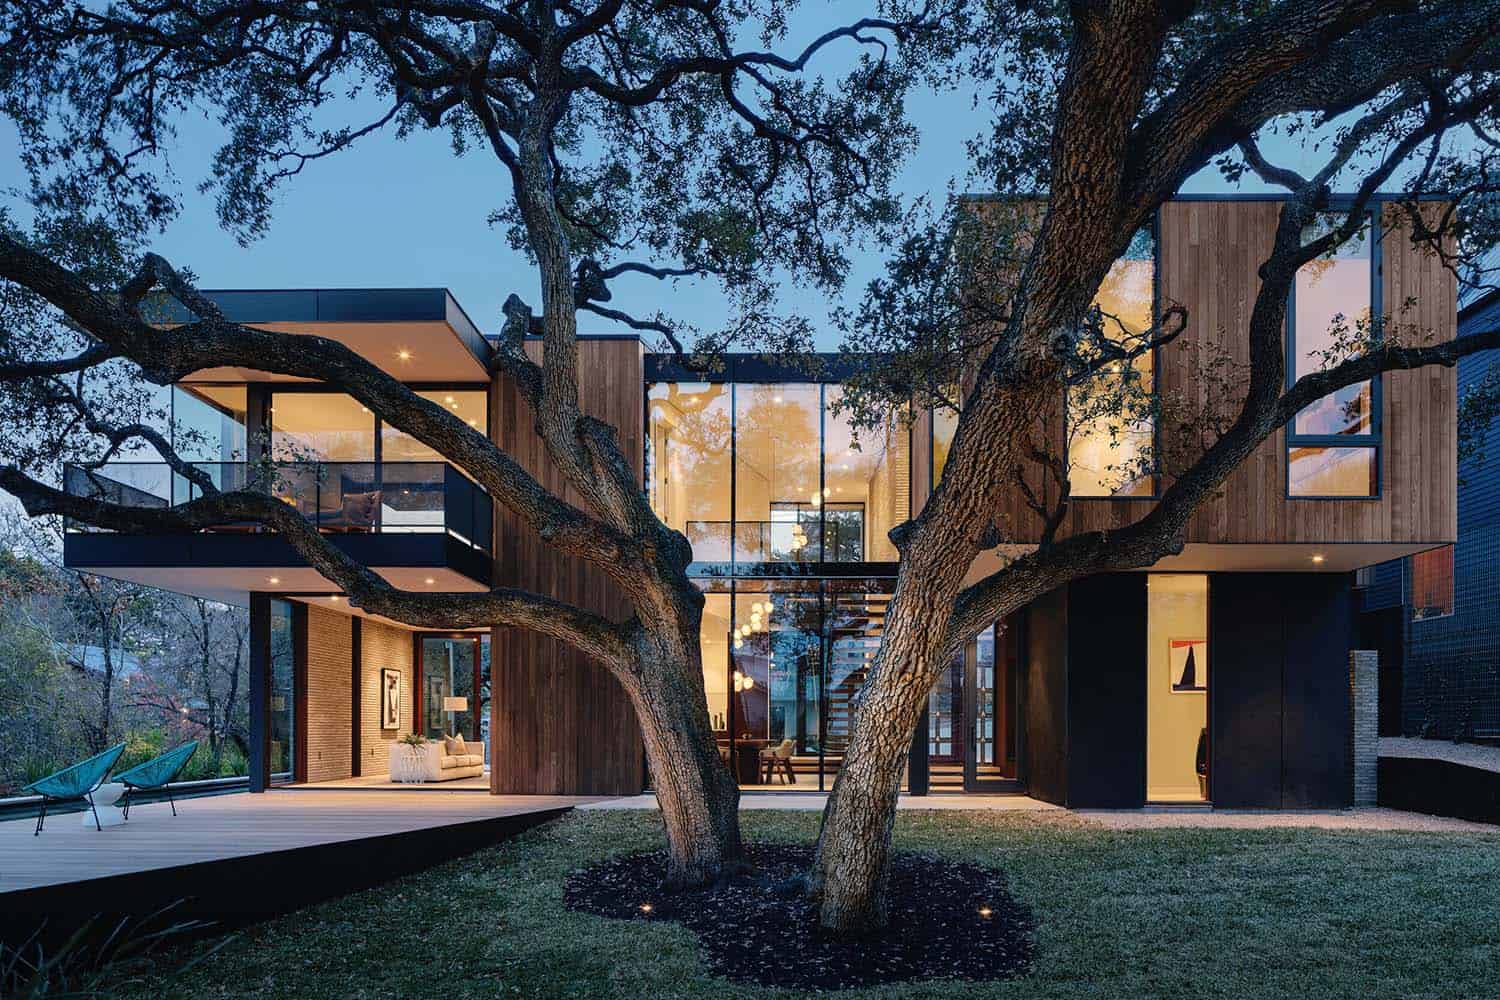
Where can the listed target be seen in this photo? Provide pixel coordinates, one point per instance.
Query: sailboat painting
(1188, 662)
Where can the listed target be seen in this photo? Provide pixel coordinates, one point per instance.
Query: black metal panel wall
(1279, 689)
(1045, 739)
(1319, 617)
(1107, 692)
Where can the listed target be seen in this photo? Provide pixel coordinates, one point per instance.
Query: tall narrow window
(1111, 425)
(283, 717)
(1333, 444)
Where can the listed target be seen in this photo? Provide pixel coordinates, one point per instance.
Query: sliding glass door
(453, 694)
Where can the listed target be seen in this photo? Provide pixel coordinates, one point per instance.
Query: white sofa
(432, 762)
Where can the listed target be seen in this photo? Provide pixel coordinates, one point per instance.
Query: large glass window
(466, 404)
(1110, 422)
(777, 488)
(448, 674)
(1431, 583)
(321, 427)
(1177, 662)
(782, 662)
(714, 645)
(208, 422)
(688, 470)
(944, 427)
(1332, 445)
(769, 473)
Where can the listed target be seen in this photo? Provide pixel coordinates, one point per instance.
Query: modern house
(1435, 616)
(1221, 675)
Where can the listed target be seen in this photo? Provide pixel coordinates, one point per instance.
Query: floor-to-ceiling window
(450, 685)
(971, 714)
(774, 474)
(1177, 665)
(779, 494)
(782, 661)
(348, 471)
(866, 485)
(283, 691)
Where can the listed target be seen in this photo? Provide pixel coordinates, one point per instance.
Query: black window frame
(1375, 439)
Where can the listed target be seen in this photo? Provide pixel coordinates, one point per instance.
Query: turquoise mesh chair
(77, 782)
(157, 772)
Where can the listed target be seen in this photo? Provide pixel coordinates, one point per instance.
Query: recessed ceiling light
(403, 354)
(333, 597)
(1317, 558)
(430, 581)
(273, 579)
(447, 399)
(776, 399)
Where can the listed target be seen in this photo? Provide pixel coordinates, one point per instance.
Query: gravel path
(1344, 819)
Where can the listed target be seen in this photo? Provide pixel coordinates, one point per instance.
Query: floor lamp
(453, 705)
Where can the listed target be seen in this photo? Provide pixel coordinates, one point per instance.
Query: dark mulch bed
(948, 921)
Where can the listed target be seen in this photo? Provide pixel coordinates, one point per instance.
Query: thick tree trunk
(851, 868)
(699, 799)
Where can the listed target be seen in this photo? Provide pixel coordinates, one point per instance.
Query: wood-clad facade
(568, 726)
(1208, 255)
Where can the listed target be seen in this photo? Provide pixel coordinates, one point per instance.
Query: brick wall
(381, 647)
(330, 711)
(1364, 738)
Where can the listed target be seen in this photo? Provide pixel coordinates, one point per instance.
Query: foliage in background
(87, 662)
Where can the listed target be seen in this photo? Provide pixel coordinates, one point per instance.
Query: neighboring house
(1436, 616)
(80, 656)
(1221, 676)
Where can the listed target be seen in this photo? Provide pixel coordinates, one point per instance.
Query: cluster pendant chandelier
(760, 620)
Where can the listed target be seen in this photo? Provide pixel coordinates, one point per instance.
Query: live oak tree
(726, 163)
(631, 138)
(1102, 111)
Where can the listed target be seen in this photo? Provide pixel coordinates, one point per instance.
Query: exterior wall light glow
(1317, 558)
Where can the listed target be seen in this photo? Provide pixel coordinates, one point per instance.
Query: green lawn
(1247, 915)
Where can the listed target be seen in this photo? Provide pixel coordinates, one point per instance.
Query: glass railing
(336, 497)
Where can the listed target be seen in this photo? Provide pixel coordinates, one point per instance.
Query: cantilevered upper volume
(383, 497)
(415, 334)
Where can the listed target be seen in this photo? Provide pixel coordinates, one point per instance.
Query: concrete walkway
(1468, 754)
(1122, 819)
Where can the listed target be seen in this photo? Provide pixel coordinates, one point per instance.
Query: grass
(1264, 914)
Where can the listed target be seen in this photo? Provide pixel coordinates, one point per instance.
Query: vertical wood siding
(560, 723)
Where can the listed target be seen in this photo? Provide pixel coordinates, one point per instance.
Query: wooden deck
(234, 858)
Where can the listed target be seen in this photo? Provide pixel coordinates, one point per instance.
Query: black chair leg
(171, 800)
(40, 819)
(126, 807)
(97, 825)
